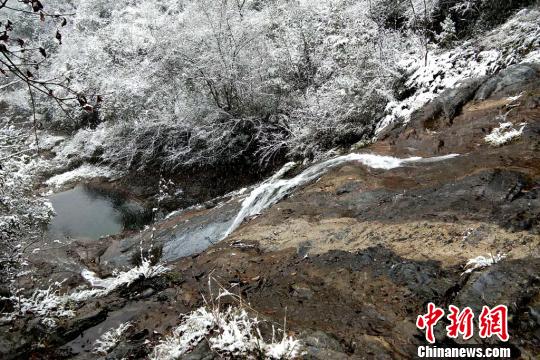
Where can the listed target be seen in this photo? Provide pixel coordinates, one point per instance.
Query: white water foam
(274, 189)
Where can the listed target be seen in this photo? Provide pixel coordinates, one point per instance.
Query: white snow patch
(110, 339)
(49, 303)
(514, 98)
(230, 333)
(481, 262)
(85, 142)
(44, 303)
(504, 134)
(49, 322)
(85, 171)
(48, 141)
(103, 287)
(532, 57)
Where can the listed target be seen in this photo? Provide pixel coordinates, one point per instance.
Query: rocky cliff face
(352, 259)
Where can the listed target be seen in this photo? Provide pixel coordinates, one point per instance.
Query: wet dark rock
(14, 344)
(128, 350)
(147, 293)
(75, 327)
(318, 345)
(316, 353)
(201, 352)
(509, 282)
(186, 234)
(209, 204)
(448, 104)
(510, 81)
(143, 287)
(426, 279)
(347, 188)
(494, 195)
(514, 283)
(303, 249)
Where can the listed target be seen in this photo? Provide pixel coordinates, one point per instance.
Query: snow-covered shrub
(505, 133)
(45, 303)
(210, 83)
(22, 213)
(481, 262)
(49, 303)
(110, 339)
(102, 287)
(203, 83)
(230, 332)
(448, 34)
(511, 43)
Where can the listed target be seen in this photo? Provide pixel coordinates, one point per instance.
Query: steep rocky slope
(351, 260)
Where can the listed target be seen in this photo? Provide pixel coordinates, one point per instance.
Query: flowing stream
(201, 232)
(274, 189)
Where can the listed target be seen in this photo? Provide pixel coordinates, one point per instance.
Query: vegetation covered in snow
(97, 88)
(505, 133)
(22, 214)
(229, 331)
(213, 83)
(209, 83)
(49, 304)
(110, 339)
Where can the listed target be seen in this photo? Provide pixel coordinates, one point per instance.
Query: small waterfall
(201, 231)
(274, 189)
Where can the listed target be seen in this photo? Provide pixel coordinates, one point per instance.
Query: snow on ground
(481, 262)
(48, 303)
(47, 141)
(145, 270)
(85, 171)
(85, 143)
(230, 332)
(504, 134)
(518, 40)
(110, 339)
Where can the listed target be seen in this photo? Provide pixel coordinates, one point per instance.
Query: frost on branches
(205, 83)
(49, 304)
(209, 83)
(110, 339)
(230, 333)
(22, 213)
(516, 41)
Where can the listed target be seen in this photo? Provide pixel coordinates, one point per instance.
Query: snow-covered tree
(448, 34)
(201, 83)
